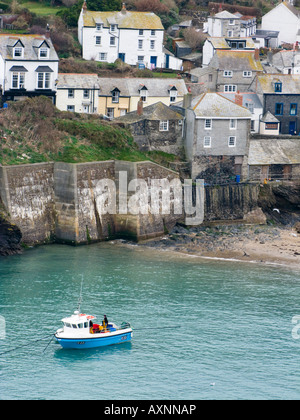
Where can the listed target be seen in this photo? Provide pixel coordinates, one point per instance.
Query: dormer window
(18, 52)
(113, 27)
(173, 94)
(278, 87)
(98, 26)
(44, 52)
(115, 94)
(143, 93)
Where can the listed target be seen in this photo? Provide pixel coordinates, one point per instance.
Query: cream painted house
(77, 92)
(117, 96)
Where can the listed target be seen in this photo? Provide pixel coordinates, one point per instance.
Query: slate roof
(128, 20)
(131, 86)
(221, 43)
(248, 97)
(268, 117)
(290, 83)
(274, 152)
(235, 60)
(77, 81)
(285, 58)
(31, 44)
(225, 15)
(214, 105)
(157, 111)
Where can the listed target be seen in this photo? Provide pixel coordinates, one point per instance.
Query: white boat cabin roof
(77, 318)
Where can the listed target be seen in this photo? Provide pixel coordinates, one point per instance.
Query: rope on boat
(28, 344)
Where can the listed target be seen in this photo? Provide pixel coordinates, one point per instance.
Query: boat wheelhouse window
(86, 324)
(67, 325)
(80, 325)
(74, 325)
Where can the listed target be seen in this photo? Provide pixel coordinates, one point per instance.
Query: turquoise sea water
(232, 335)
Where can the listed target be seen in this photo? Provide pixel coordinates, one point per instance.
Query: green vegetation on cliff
(34, 130)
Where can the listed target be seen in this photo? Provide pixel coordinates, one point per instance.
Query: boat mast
(80, 296)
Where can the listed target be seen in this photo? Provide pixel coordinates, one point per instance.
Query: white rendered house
(134, 37)
(284, 18)
(28, 66)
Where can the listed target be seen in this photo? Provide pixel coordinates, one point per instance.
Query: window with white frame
(98, 26)
(71, 108)
(115, 94)
(112, 41)
(247, 73)
(113, 27)
(143, 94)
(230, 88)
(43, 80)
(208, 124)
(164, 125)
(152, 44)
(173, 95)
(227, 73)
(110, 112)
(18, 52)
(250, 106)
(140, 44)
(71, 93)
(103, 56)
(98, 40)
(44, 52)
(18, 80)
(207, 141)
(86, 94)
(231, 141)
(141, 32)
(152, 32)
(140, 58)
(231, 21)
(232, 124)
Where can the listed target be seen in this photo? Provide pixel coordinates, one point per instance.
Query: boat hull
(93, 342)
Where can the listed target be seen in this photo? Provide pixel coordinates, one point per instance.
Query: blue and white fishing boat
(81, 332)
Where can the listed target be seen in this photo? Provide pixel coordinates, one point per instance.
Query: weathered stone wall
(27, 192)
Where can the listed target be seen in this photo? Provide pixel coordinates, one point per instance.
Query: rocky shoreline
(236, 241)
(10, 238)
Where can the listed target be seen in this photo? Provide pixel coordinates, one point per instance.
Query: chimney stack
(123, 11)
(238, 98)
(256, 54)
(140, 107)
(187, 100)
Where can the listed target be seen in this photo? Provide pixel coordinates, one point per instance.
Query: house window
(98, 26)
(110, 112)
(207, 124)
(152, 32)
(252, 125)
(231, 141)
(293, 109)
(227, 73)
(230, 33)
(113, 28)
(98, 40)
(143, 93)
(278, 87)
(18, 81)
(71, 93)
(18, 52)
(164, 126)
(71, 108)
(103, 56)
(152, 45)
(207, 141)
(44, 52)
(86, 94)
(115, 96)
(210, 77)
(140, 44)
(231, 21)
(230, 88)
(278, 109)
(247, 73)
(112, 40)
(232, 124)
(43, 81)
(173, 95)
(140, 59)
(141, 32)
(250, 106)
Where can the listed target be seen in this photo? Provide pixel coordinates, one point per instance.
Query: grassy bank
(35, 131)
